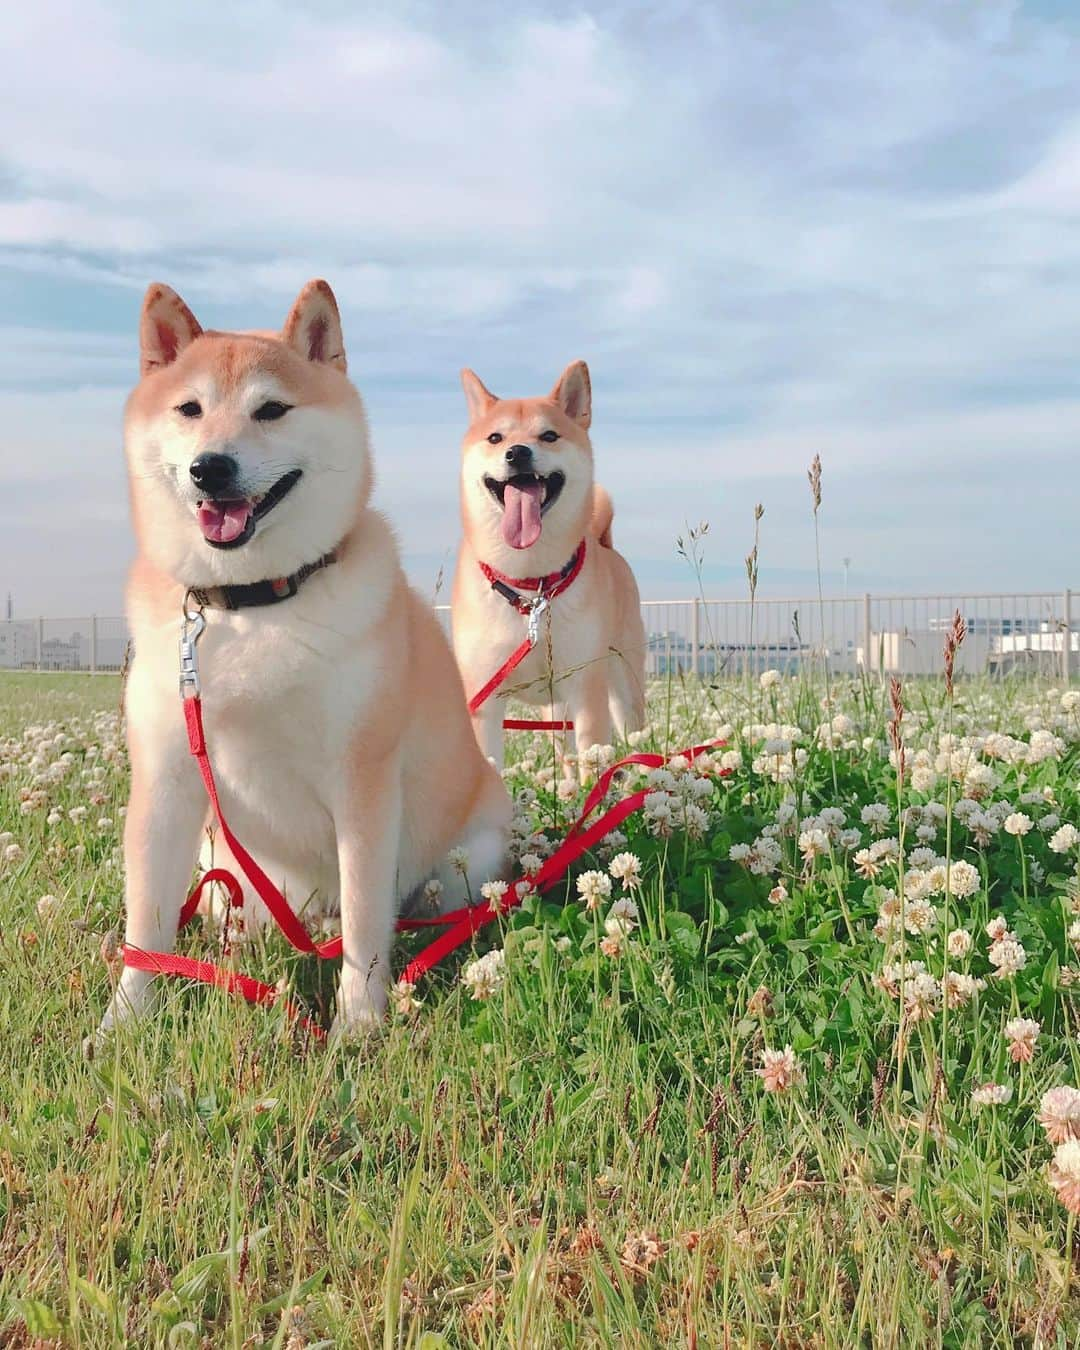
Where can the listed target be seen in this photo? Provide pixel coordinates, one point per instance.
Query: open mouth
(524, 498)
(230, 522)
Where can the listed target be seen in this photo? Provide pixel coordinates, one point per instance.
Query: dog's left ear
(313, 327)
(573, 393)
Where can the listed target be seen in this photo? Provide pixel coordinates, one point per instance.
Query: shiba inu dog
(529, 508)
(335, 719)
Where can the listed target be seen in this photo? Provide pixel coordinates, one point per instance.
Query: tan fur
(590, 660)
(335, 721)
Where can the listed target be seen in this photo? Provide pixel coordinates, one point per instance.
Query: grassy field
(609, 1147)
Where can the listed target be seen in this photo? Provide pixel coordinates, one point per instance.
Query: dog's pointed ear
(479, 398)
(573, 393)
(166, 327)
(313, 327)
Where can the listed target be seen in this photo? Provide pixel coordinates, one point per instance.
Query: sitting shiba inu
(535, 525)
(335, 717)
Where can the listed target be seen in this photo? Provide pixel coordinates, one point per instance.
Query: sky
(773, 230)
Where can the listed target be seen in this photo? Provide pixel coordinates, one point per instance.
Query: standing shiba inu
(533, 515)
(335, 719)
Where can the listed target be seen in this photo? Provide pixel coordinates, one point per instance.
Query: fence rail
(1017, 633)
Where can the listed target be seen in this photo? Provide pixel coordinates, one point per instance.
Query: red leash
(462, 923)
(546, 589)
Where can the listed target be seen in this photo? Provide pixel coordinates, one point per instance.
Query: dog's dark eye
(271, 411)
(549, 436)
(495, 437)
(190, 409)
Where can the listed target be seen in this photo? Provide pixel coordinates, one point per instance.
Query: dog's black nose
(519, 457)
(213, 473)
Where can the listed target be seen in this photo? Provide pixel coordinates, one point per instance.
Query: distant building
(18, 644)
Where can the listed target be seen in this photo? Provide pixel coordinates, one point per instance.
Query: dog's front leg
(488, 729)
(166, 813)
(368, 825)
(592, 717)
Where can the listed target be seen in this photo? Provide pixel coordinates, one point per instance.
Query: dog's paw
(359, 1027)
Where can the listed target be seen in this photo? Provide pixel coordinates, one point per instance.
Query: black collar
(255, 593)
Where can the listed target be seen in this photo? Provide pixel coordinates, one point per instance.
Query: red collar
(550, 586)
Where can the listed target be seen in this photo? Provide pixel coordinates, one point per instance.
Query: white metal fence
(1031, 632)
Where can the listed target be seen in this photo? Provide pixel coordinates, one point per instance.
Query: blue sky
(773, 230)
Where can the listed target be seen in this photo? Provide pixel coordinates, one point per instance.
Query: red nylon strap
(508, 666)
(522, 724)
(268, 893)
(579, 839)
(221, 977)
(551, 585)
(463, 922)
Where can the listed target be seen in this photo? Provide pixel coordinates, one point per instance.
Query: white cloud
(771, 231)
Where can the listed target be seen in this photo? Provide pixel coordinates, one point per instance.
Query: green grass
(587, 1157)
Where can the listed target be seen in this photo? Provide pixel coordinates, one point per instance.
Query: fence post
(867, 664)
(1066, 638)
(93, 644)
(695, 637)
(40, 643)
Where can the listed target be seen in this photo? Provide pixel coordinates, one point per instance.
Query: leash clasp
(192, 627)
(537, 608)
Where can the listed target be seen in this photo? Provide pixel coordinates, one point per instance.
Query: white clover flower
(769, 678)
(992, 1094)
(621, 918)
(695, 820)
(919, 917)
(494, 892)
(739, 853)
(1008, 957)
(486, 975)
(593, 887)
(531, 863)
(922, 995)
(959, 943)
(1065, 839)
(813, 844)
(877, 816)
(401, 998)
(1059, 1114)
(1018, 824)
(1049, 823)
(458, 858)
(626, 868)
(659, 813)
(964, 879)
(13, 854)
(780, 1070)
(997, 929)
(959, 989)
(47, 906)
(1022, 1033)
(1065, 1174)
(778, 895)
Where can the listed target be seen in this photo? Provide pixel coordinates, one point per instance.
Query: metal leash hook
(192, 627)
(537, 608)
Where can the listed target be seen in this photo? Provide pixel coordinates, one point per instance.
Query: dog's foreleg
(488, 729)
(592, 717)
(166, 813)
(368, 826)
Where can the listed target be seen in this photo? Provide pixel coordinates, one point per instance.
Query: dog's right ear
(166, 327)
(479, 398)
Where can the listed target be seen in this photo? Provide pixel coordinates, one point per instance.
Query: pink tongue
(222, 522)
(521, 515)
